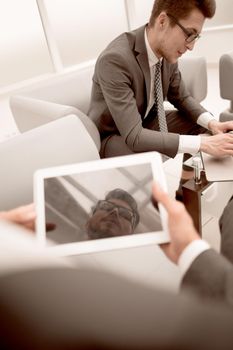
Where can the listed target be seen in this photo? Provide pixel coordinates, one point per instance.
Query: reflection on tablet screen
(101, 204)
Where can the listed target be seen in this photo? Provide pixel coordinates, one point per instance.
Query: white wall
(223, 15)
(78, 30)
(214, 43)
(24, 52)
(139, 12)
(82, 28)
(217, 36)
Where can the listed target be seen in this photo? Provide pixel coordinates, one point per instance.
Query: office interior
(45, 41)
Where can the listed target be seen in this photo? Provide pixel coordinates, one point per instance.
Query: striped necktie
(158, 94)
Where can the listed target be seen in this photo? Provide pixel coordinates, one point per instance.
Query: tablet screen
(106, 204)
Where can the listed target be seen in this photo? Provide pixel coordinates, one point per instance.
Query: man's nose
(190, 46)
(114, 211)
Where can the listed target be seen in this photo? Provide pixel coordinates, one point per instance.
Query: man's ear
(162, 19)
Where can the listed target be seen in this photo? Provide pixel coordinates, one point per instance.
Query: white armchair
(51, 99)
(226, 83)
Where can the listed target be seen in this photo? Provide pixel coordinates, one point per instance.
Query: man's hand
(218, 145)
(180, 225)
(24, 215)
(220, 127)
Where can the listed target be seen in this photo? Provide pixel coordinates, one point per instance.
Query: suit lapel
(142, 58)
(165, 77)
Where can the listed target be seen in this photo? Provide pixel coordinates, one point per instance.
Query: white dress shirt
(187, 143)
(190, 253)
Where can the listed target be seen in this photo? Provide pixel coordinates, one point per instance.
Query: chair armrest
(62, 141)
(30, 113)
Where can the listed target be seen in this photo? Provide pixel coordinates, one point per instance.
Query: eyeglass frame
(119, 208)
(185, 30)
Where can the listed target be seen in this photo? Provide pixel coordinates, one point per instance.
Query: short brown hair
(181, 8)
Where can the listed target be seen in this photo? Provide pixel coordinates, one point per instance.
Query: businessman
(59, 307)
(137, 71)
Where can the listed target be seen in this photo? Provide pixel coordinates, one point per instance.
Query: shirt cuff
(204, 119)
(189, 144)
(190, 253)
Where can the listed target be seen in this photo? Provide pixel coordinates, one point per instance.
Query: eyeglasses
(190, 34)
(122, 211)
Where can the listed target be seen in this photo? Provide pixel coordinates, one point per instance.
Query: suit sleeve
(226, 224)
(117, 86)
(210, 276)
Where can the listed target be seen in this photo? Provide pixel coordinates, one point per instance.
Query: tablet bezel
(103, 244)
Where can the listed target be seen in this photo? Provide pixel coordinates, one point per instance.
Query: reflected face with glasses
(113, 216)
(171, 37)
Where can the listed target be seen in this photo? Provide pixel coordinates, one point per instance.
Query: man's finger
(162, 197)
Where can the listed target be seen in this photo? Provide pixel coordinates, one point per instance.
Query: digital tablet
(100, 205)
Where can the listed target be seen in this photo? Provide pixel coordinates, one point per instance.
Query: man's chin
(172, 60)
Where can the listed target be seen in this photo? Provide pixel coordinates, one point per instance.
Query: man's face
(111, 218)
(169, 41)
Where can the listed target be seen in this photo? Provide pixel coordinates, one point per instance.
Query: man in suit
(50, 305)
(123, 103)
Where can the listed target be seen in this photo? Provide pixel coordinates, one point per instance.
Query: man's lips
(181, 53)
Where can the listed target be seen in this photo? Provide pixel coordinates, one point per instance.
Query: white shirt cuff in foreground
(189, 144)
(204, 119)
(190, 253)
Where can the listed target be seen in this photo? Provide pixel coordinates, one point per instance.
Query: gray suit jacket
(121, 90)
(210, 277)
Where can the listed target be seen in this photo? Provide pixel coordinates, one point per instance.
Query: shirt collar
(152, 58)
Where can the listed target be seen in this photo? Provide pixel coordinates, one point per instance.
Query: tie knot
(158, 65)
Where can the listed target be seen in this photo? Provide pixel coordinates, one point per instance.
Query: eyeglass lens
(124, 212)
(189, 36)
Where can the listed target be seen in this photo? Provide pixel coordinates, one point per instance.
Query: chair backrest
(30, 113)
(226, 84)
(72, 89)
(226, 76)
(194, 74)
(52, 144)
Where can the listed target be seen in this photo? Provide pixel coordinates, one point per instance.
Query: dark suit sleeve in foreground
(210, 276)
(64, 308)
(226, 228)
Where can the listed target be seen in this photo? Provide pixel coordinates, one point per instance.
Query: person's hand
(24, 215)
(218, 145)
(217, 127)
(180, 225)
